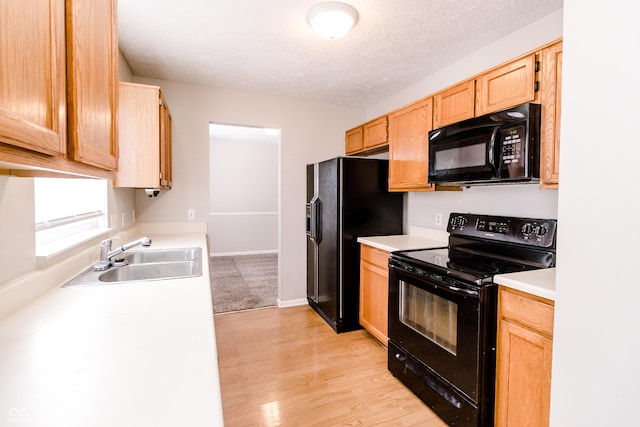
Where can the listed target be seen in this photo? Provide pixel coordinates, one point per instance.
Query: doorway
(244, 165)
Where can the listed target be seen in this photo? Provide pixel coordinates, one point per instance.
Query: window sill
(45, 252)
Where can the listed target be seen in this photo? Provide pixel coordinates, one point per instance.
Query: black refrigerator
(347, 197)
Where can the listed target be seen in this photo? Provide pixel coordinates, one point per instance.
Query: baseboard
(244, 253)
(292, 302)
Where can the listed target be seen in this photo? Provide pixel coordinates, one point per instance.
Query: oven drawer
(450, 405)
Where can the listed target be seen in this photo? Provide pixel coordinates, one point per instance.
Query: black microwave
(501, 147)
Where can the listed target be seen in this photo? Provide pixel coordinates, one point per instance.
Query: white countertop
(418, 238)
(536, 282)
(130, 354)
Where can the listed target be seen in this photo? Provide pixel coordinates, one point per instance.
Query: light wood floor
(287, 367)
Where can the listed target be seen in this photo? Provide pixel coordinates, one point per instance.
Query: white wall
(243, 192)
(311, 131)
(596, 348)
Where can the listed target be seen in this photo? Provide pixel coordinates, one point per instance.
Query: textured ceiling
(267, 47)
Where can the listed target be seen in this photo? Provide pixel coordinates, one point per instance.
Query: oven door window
(430, 315)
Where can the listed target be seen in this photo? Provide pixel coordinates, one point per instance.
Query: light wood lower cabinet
(374, 291)
(524, 348)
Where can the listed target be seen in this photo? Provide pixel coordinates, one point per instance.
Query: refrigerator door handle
(316, 236)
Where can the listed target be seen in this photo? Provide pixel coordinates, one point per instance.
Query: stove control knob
(458, 222)
(527, 229)
(542, 230)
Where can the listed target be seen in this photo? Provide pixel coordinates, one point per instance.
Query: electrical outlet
(123, 218)
(112, 220)
(191, 214)
(438, 219)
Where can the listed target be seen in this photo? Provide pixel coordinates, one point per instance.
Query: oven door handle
(462, 290)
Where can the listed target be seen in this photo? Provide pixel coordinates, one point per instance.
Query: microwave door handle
(492, 149)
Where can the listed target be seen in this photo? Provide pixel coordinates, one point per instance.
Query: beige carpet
(243, 282)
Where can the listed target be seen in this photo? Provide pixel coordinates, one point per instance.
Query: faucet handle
(105, 247)
(107, 242)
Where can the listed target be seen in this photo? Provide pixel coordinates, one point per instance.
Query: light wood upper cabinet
(409, 147)
(144, 138)
(92, 79)
(506, 86)
(32, 75)
(368, 138)
(376, 133)
(550, 94)
(524, 349)
(374, 292)
(353, 140)
(454, 104)
(166, 174)
(58, 87)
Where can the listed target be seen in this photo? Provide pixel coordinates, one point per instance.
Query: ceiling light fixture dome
(332, 20)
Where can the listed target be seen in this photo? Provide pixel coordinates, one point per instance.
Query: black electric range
(443, 309)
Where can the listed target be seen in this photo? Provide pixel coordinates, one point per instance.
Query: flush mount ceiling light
(332, 20)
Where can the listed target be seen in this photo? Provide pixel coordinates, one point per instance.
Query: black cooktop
(461, 265)
(481, 246)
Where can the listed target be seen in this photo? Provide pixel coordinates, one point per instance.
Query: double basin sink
(145, 265)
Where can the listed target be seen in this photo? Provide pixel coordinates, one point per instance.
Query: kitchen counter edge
(418, 238)
(541, 283)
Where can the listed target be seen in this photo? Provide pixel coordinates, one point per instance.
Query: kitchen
(313, 131)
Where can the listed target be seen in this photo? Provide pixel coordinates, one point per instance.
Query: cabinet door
(375, 133)
(32, 75)
(523, 377)
(165, 144)
(508, 85)
(454, 104)
(139, 133)
(92, 82)
(523, 368)
(550, 94)
(409, 147)
(354, 140)
(374, 292)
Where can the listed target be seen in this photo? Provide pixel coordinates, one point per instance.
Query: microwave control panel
(512, 144)
(529, 231)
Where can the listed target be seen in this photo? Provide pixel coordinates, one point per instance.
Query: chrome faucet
(106, 254)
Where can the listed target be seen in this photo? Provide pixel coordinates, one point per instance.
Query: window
(68, 211)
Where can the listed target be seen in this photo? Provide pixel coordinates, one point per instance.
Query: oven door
(439, 325)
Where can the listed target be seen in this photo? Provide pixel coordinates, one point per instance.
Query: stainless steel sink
(152, 271)
(162, 255)
(146, 265)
